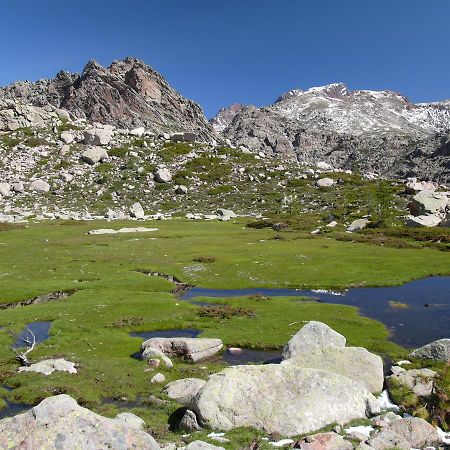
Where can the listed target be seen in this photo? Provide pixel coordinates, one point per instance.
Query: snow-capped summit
(380, 131)
(360, 111)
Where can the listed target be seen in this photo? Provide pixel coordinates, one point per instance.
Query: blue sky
(248, 51)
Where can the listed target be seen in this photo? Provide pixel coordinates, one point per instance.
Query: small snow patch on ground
(281, 443)
(122, 230)
(365, 430)
(445, 437)
(402, 362)
(386, 402)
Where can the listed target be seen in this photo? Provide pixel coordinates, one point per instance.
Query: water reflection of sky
(426, 319)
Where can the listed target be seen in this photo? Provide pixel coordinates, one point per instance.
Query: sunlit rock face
(127, 94)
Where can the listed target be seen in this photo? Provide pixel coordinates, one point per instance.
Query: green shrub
(35, 141)
(9, 142)
(222, 189)
(118, 152)
(171, 151)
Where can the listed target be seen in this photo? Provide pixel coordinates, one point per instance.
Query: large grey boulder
(98, 136)
(59, 422)
(226, 214)
(288, 400)
(40, 186)
(355, 363)
(18, 187)
(181, 190)
(413, 186)
(419, 381)
(416, 432)
(131, 420)
(428, 202)
(191, 349)
(189, 422)
(312, 336)
(429, 220)
(138, 132)
(5, 189)
(358, 224)
(48, 366)
(387, 440)
(322, 165)
(94, 155)
(67, 137)
(438, 350)
(163, 176)
(137, 211)
(325, 182)
(183, 137)
(183, 391)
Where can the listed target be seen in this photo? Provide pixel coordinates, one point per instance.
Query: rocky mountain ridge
(379, 131)
(127, 94)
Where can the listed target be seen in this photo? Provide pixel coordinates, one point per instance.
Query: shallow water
(187, 333)
(39, 329)
(249, 356)
(426, 319)
(12, 409)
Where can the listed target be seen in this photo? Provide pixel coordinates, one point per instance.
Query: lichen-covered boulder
(411, 432)
(94, 155)
(325, 182)
(438, 350)
(288, 400)
(428, 202)
(191, 349)
(98, 136)
(48, 366)
(183, 391)
(39, 186)
(312, 336)
(419, 381)
(59, 422)
(355, 363)
(163, 175)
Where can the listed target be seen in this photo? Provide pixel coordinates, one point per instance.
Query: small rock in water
(235, 350)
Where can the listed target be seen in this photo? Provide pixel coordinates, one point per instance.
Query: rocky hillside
(127, 94)
(373, 131)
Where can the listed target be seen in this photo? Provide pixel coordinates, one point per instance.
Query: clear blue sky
(247, 51)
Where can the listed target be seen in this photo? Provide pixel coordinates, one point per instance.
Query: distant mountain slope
(127, 94)
(225, 116)
(378, 131)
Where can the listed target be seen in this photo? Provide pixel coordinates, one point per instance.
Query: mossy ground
(113, 298)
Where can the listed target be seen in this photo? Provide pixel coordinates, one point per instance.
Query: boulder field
(319, 383)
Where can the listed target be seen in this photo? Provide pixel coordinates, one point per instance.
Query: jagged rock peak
(126, 94)
(225, 116)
